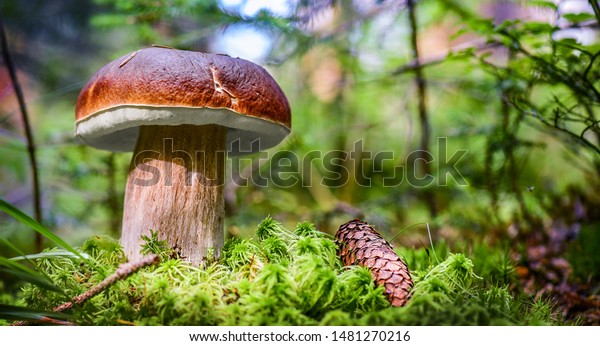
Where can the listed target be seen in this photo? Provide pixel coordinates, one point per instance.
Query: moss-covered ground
(282, 277)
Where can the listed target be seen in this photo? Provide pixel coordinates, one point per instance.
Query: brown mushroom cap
(162, 86)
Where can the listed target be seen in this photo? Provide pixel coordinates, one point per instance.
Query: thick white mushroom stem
(175, 187)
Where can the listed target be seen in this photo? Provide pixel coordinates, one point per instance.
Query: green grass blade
(43, 255)
(27, 274)
(34, 279)
(19, 313)
(36, 226)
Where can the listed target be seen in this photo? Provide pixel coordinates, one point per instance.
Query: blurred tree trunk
(421, 83)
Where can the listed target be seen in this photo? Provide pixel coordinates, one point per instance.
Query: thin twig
(121, 273)
(594, 4)
(590, 126)
(56, 322)
(573, 136)
(37, 205)
(44, 319)
(476, 45)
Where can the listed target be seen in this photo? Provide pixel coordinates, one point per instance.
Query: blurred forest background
(512, 83)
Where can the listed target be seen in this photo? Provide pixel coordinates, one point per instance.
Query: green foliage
(207, 16)
(278, 278)
(582, 254)
(36, 226)
(10, 312)
(551, 81)
(153, 245)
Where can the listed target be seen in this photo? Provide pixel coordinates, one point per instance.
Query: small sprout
(307, 229)
(153, 245)
(269, 228)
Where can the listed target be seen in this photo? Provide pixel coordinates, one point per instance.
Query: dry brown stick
(44, 319)
(54, 321)
(124, 270)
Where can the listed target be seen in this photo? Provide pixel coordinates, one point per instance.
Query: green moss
(280, 278)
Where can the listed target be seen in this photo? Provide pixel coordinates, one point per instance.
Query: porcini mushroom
(180, 112)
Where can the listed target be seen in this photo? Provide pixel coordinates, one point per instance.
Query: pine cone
(360, 244)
